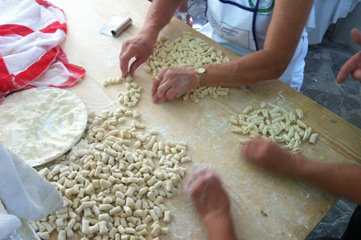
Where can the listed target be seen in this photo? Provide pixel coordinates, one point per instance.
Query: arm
(159, 14)
(340, 179)
(220, 227)
(211, 202)
(353, 65)
(282, 38)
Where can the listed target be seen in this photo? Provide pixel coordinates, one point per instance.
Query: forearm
(273, 59)
(247, 70)
(340, 179)
(220, 227)
(183, 6)
(159, 14)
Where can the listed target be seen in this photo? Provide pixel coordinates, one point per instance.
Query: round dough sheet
(41, 124)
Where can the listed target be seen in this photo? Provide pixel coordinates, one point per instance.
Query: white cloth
(24, 192)
(30, 56)
(231, 24)
(8, 223)
(324, 13)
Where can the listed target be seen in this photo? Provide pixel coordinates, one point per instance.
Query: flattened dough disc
(41, 124)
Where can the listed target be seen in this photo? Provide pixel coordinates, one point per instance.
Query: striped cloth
(30, 56)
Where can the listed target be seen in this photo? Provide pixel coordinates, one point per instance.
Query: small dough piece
(313, 138)
(156, 230)
(247, 109)
(296, 150)
(243, 140)
(129, 79)
(307, 134)
(301, 124)
(167, 216)
(262, 104)
(299, 113)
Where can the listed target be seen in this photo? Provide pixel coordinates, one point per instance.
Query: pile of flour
(41, 124)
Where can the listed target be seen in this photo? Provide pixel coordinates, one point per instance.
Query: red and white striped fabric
(30, 56)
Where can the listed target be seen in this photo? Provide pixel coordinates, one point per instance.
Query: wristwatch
(201, 72)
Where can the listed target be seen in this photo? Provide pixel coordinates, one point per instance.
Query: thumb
(356, 36)
(136, 64)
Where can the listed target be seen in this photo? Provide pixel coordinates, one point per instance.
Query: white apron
(235, 25)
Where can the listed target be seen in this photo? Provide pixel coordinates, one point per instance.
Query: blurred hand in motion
(207, 194)
(172, 82)
(269, 156)
(353, 65)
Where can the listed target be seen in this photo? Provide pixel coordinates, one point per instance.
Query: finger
(348, 67)
(254, 147)
(155, 86)
(197, 188)
(124, 61)
(356, 36)
(202, 179)
(244, 149)
(136, 64)
(247, 149)
(162, 89)
(124, 47)
(191, 179)
(260, 140)
(357, 75)
(210, 175)
(159, 94)
(122, 52)
(171, 93)
(265, 147)
(157, 81)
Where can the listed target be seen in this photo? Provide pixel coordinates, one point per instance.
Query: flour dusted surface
(41, 124)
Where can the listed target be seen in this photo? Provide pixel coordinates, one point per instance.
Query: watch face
(201, 70)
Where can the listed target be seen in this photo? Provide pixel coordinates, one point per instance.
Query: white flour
(41, 124)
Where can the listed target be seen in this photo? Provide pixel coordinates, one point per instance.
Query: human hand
(207, 194)
(267, 155)
(172, 82)
(353, 65)
(185, 17)
(140, 47)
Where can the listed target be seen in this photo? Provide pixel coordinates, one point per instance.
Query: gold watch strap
(201, 71)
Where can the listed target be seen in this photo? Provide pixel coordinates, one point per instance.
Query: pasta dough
(274, 124)
(115, 183)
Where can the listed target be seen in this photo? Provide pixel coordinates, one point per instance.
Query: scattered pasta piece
(112, 81)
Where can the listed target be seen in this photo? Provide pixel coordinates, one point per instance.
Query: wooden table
(264, 206)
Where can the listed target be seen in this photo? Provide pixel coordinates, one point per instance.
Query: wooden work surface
(264, 206)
